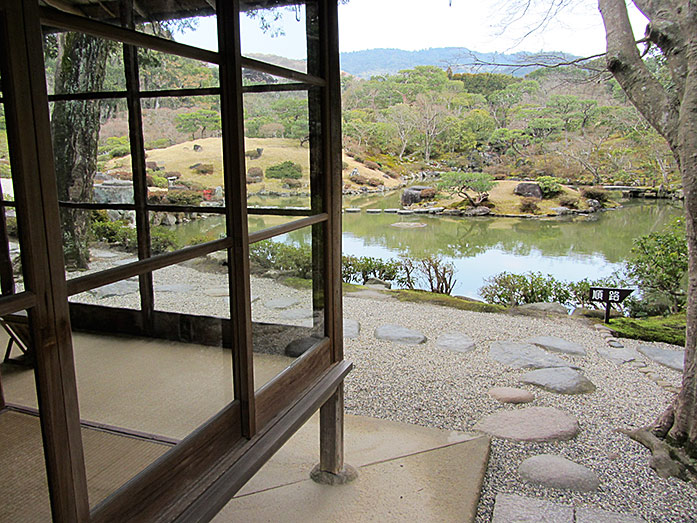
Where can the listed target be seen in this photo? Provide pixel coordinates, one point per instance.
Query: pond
(568, 248)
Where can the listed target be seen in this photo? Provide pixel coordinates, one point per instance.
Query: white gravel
(439, 388)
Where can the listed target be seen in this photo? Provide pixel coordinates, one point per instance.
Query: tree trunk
(75, 127)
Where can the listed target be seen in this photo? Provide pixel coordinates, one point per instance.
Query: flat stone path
(512, 508)
(673, 359)
(523, 355)
(455, 341)
(558, 472)
(399, 334)
(619, 356)
(281, 303)
(562, 380)
(351, 328)
(556, 344)
(530, 424)
(511, 395)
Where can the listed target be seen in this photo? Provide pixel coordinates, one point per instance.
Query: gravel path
(438, 388)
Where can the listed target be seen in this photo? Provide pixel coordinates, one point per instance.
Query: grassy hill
(182, 157)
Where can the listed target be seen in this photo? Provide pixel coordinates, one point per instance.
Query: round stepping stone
(373, 211)
(558, 472)
(351, 328)
(399, 334)
(511, 395)
(455, 341)
(623, 355)
(562, 380)
(523, 355)
(530, 424)
(281, 303)
(673, 359)
(556, 344)
(615, 344)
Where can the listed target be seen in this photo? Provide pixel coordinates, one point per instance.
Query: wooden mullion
(170, 93)
(276, 88)
(140, 186)
(98, 206)
(97, 95)
(160, 261)
(280, 211)
(17, 302)
(270, 232)
(68, 22)
(234, 179)
(31, 153)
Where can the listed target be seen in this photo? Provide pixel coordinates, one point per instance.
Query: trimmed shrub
(569, 202)
(254, 154)
(184, 197)
(529, 205)
(203, 168)
(292, 184)
(255, 172)
(517, 289)
(550, 186)
(160, 143)
(372, 165)
(285, 169)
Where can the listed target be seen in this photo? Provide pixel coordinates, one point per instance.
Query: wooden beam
(17, 302)
(283, 72)
(31, 154)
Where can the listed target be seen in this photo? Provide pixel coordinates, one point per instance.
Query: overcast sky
(418, 24)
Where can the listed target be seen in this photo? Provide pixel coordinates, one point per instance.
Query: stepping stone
(623, 355)
(530, 424)
(673, 359)
(562, 380)
(352, 210)
(373, 211)
(300, 346)
(512, 508)
(554, 471)
(455, 341)
(174, 287)
(217, 292)
(511, 395)
(119, 288)
(399, 334)
(594, 515)
(556, 344)
(281, 303)
(351, 328)
(616, 344)
(391, 211)
(523, 355)
(297, 314)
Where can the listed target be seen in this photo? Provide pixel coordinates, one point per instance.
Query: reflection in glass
(160, 71)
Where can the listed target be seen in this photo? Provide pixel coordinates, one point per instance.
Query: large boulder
(528, 189)
(414, 194)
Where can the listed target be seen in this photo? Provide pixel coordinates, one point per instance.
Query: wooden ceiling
(152, 10)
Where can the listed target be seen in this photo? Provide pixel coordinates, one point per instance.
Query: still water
(568, 248)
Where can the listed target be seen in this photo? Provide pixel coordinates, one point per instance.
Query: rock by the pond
(512, 508)
(673, 359)
(300, 346)
(455, 341)
(478, 211)
(622, 355)
(511, 395)
(378, 282)
(119, 288)
(413, 194)
(556, 344)
(399, 334)
(281, 303)
(528, 189)
(530, 424)
(562, 380)
(523, 355)
(596, 515)
(558, 472)
(351, 328)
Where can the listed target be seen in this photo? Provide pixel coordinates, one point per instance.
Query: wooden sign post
(609, 296)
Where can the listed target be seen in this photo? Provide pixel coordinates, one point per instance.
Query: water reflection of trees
(608, 234)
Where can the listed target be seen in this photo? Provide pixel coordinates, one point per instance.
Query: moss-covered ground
(668, 329)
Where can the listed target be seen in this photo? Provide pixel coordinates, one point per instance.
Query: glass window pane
(287, 292)
(159, 71)
(275, 35)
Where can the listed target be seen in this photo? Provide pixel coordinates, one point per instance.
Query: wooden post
(31, 154)
(140, 185)
(232, 113)
(331, 468)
